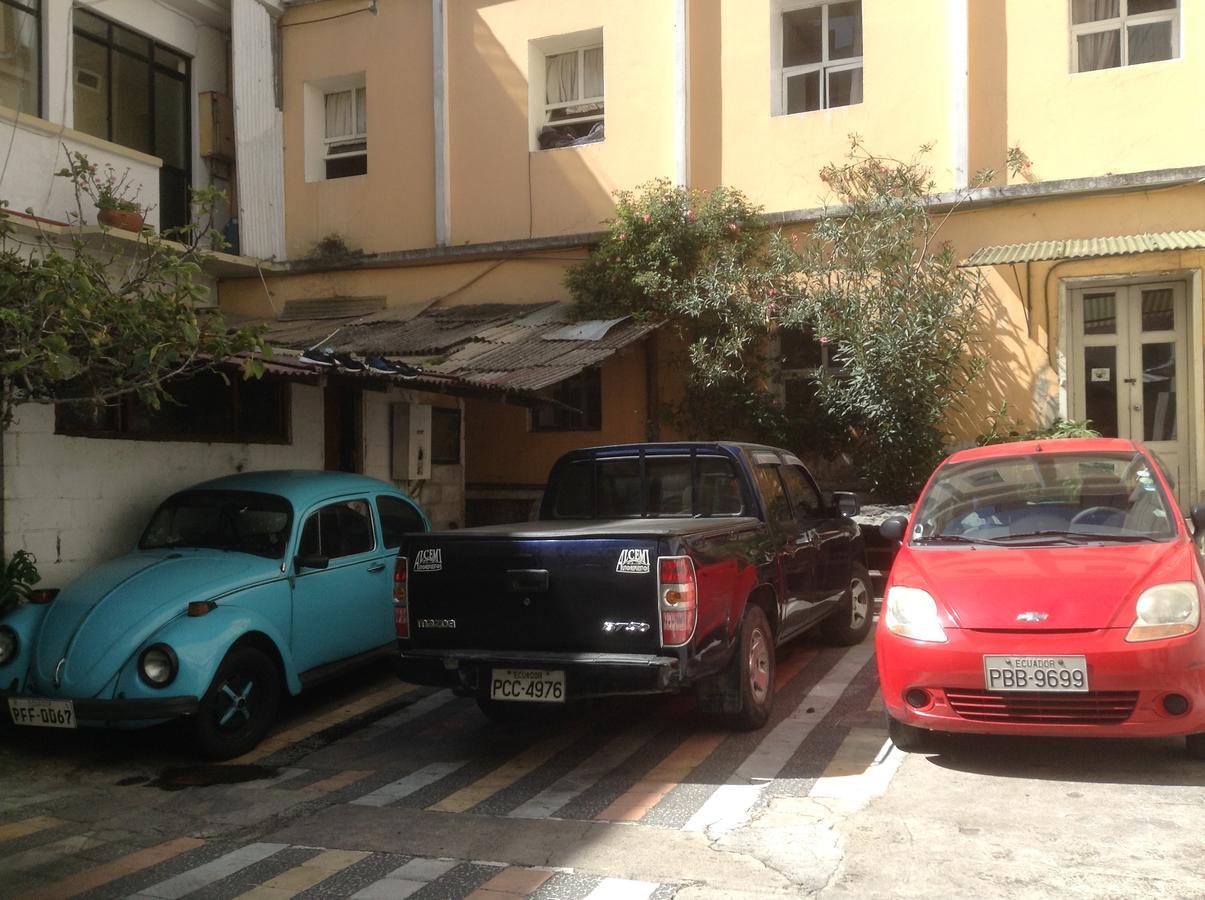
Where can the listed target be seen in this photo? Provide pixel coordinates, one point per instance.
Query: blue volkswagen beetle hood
(101, 618)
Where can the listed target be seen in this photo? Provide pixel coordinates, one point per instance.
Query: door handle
(376, 567)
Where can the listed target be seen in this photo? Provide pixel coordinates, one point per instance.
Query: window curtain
(592, 77)
(340, 114)
(1149, 43)
(1101, 50)
(361, 111)
(1095, 10)
(561, 78)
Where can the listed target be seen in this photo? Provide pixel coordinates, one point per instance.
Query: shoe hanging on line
(324, 357)
(347, 362)
(380, 365)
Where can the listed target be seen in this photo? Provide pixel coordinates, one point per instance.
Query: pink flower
(645, 218)
(773, 292)
(622, 235)
(824, 340)
(732, 227)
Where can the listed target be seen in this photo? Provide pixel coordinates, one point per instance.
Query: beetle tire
(240, 705)
(1194, 745)
(852, 620)
(909, 738)
(753, 669)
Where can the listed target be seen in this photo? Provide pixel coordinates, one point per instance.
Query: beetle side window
(804, 496)
(397, 518)
(340, 529)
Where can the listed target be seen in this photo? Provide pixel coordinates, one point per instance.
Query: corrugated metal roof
(1087, 248)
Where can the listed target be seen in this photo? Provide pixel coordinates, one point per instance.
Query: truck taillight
(401, 607)
(677, 593)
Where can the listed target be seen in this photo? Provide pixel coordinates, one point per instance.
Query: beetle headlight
(912, 613)
(8, 644)
(1166, 610)
(157, 666)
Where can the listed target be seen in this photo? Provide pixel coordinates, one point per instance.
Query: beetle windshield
(238, 521)
(1045, 498)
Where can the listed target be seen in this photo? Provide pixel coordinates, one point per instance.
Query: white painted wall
(72, 501)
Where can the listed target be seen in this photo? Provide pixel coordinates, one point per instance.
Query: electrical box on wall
(215, 125)
(411, 442)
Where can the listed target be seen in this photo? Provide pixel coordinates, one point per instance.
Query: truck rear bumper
(586, 674)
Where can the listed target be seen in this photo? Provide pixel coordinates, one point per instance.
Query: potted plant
(114, 195)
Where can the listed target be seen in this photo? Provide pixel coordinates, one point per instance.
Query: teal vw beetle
(240, 588)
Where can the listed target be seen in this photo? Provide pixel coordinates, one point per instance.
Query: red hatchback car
(1045, 588)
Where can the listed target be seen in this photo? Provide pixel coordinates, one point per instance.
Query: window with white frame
(572, 93)
(346, 132)
(1106, 34)
(817, 55)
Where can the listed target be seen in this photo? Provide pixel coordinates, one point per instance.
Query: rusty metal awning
(1086, 248)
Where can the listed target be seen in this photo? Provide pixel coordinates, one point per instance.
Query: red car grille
(1091, 708)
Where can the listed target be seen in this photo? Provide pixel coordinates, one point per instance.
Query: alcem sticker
(633, 562)
(428, 560)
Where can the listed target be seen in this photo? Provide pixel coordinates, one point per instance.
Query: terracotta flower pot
(126, 220)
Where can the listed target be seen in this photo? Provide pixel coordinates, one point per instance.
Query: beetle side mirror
(893, 529)
(846, 503)
(1197, 514)
(311, 561)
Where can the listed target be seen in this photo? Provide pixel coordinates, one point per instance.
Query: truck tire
(753, 669)
(850, 622)
(240, 705)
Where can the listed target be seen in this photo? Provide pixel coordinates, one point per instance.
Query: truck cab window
(777, 507)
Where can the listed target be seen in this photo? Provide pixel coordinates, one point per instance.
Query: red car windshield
(1045, 498)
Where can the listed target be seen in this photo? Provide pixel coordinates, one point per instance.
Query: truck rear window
(670, 487)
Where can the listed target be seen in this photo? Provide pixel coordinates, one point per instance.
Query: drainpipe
(439, 66)
(681, 36)
(959, 93)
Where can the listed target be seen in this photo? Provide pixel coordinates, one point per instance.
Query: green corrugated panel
(1087, 248)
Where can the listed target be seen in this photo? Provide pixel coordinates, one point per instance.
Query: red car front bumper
(1128, 684)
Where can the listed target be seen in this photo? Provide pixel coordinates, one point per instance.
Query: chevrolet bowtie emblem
(1032, 617)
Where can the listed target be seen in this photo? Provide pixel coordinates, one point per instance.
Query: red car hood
(1076, 587)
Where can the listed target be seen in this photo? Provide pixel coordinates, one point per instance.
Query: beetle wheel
(240, 705)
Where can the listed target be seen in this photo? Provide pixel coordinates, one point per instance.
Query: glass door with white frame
(1129, 376)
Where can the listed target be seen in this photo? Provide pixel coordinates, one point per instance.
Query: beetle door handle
(376, 567)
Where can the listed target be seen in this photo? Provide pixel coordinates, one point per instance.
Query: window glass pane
(803, 92)
(560, 74)
(262, 409)
(1150, 42)
(20, 66)
(445, 436)
(171, 120)
(845, 30)
(361, 111)
(719, 489)
(799, 348)
(618, 488)
(803, 495)
(345, 529)
(1094, 10)
(171, 60)
(1100, 389)
(845, 87)
(131, 103)
(1159, 392)
(1158, 311)
(86, 417)
(1138, 7)
(123, 37)
(592, 72)
(802, 36)
(204, 405)
(574, 491)
(340, 114)
(1100, 314)
(397, 518)
(347, 166)
(669, 486)
(1101, 50)
(86, 21)
(577, 407)
(777, 508)
(240, 521)
(91, 87)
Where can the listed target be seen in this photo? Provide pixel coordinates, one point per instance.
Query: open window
(336, 127)
(21, 55)
(567, 90)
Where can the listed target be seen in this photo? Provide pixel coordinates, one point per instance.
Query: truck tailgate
(569, 594)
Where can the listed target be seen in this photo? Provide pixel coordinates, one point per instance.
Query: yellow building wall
(503, 190)
(776, 160)
(392, 207)
(1129, 119)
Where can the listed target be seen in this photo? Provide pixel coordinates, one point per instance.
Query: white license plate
(43, 713)
(1050, 674)
(536, 685)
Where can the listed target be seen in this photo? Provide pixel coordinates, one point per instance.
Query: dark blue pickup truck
(653, 568)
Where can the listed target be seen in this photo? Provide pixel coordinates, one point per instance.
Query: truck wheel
(850, 622)
(909, 738)
(754, 670)
(240, 705)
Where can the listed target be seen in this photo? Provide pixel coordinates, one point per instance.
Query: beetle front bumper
(92, 709)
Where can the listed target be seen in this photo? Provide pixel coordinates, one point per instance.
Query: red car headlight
(912, 613)
(1166, 610)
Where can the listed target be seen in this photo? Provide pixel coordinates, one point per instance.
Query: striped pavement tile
(315, 870)
(202, 876)
(96, 877)
(20, 829)
(47, 855)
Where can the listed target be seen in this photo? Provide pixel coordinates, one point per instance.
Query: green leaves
(17, 577)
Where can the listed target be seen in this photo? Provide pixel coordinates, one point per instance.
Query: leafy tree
(87, 321)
